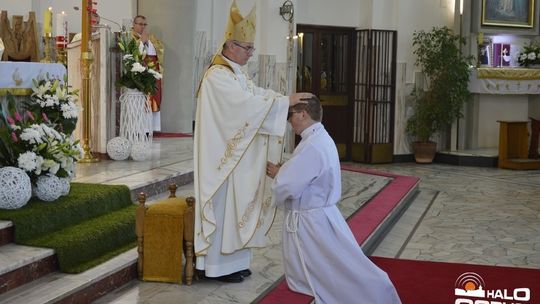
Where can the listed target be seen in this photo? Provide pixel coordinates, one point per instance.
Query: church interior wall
(17, 7)
(331, 13)
(173, 22)
(192, 31)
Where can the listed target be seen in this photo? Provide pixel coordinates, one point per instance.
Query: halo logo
(471, 285)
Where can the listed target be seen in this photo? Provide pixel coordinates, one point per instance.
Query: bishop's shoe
(229, 278)
(244, 273)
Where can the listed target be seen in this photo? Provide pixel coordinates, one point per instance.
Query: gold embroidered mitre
(240, 28)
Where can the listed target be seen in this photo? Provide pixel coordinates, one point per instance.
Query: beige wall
(173, 22)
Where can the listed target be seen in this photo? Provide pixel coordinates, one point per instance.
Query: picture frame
(508, 13)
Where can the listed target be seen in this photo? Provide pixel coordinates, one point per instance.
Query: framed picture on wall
(508, 13)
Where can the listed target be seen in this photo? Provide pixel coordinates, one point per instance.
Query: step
(25, 268)
(118, 227)
(6, 232)
(398, 237)
(22, 264)
(85, 287)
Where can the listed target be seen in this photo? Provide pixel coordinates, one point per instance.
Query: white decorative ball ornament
(119, 148)
(15, 188)
(140, 150)
(49, 188)
(66, 186)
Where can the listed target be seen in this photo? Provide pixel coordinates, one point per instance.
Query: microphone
(121, 27)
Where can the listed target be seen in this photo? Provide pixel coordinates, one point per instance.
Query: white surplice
(239, 127)
(321, 256)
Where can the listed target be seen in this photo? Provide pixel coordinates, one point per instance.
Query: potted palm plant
(439, 101)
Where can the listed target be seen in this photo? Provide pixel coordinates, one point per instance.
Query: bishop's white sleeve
(276, 120)
(296, 175)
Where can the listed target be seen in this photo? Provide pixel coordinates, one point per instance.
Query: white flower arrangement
(137, 71)
(30, 141)
(529, 55)
(47, 151)
(57, 104)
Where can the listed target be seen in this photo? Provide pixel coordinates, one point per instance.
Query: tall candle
(60, 27)
(61, 30)
(47, 22)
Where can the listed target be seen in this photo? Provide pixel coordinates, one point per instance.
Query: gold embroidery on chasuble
(265, 207)
(232, 143)
(249, 210)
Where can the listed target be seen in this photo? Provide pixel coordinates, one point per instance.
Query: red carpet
(171, 135)
(419, 282)
(363, 223)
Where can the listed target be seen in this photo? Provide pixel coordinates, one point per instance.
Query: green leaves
(135, 68)
(447, 73)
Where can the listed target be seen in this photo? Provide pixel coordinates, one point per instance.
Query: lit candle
(47, 22)
(60, 18)
(61, 30)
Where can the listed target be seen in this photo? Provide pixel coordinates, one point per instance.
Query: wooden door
(325, 67)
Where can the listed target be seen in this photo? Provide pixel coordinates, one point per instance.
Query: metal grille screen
(375, 87)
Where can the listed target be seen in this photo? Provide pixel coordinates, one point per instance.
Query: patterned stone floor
(470, 215)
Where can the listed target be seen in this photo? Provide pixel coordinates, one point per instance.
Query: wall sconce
(287, 11)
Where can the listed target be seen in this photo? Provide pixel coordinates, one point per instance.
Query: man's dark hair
(312, 107)
(137, 17)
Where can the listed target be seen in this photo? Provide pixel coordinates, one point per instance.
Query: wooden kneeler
(165, 233)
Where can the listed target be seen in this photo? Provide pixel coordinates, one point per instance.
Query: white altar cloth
(505, 81)
(16, 77)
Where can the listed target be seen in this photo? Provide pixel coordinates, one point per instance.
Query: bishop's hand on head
(301, 97)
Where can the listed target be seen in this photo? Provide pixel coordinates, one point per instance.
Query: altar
(16, 77)
(499, 94)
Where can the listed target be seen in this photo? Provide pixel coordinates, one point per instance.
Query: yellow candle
(47, 22)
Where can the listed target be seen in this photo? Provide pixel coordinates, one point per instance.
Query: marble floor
(473, 215)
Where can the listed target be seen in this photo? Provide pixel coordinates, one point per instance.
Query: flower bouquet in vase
(138, 80)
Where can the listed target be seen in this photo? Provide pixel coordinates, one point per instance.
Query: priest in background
(153, 48)
(238, 128)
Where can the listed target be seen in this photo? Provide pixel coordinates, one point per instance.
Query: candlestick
(87, 58)
(47, 22)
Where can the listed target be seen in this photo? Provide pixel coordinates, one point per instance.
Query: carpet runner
(422, 282)
(171, 135)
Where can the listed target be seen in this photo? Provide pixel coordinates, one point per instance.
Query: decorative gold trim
(15, 91)
(249, 209)
(231, 145)
(508, 73)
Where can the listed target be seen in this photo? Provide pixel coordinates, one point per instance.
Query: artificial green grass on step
(102, 259)
(90, 239)
(92, 224)
(85, 201)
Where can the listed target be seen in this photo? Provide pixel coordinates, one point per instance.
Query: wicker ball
(66, 186)
(49, 188)
(140, 150)
(119, 148)
(15, 188)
